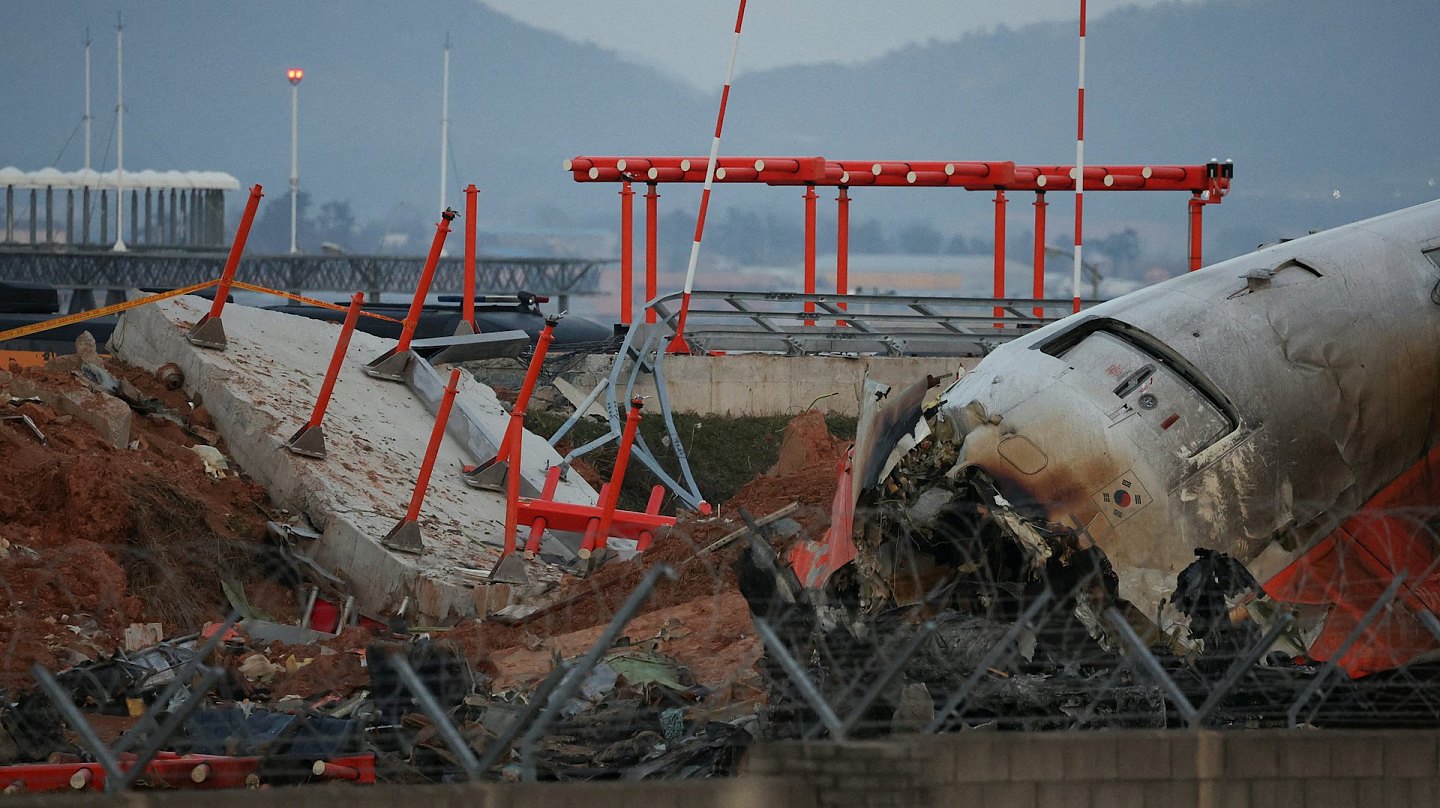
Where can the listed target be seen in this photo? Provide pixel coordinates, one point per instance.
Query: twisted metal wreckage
(1243, 454)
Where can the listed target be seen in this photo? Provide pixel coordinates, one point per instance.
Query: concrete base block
(263, 387)
(209, 332)
(405, 537)
(109, 415)
(389, 365)
(309, 441)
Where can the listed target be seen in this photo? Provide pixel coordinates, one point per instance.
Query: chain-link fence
(159, 632)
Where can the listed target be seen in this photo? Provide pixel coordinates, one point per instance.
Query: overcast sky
(778, 33)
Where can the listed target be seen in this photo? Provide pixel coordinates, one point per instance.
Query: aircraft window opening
(1298, 264)
(1102, 350)
(1434, 255)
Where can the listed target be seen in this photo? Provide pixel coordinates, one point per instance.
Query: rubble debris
(298, 703)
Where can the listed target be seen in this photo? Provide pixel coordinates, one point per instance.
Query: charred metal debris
(205, 712)
(965, 609)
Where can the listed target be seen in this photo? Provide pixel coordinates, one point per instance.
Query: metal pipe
(179, 682)
(294, 163)
(237, 247)
(444, 118)
(1152, 665)
(842, 245)
(472, 212)
(49, 214)
(797, 675)
(412, 317)
(172, 723)
(810, 198)
(538, 700)
(991, 658)
(76, 720)
(432, 708)
(1331, 665)
(1240, 666)
(87, 107)
(999, 275)
(617, 478)
(432, 449)
(9, 213)
(627, 249)
(120, 136)
(1197, 206)
(677, 344)
(1038, 283)
(1079, 166)
(652, 224)
(134, 215)
(572, 680)
(883, 681)
(337, 358)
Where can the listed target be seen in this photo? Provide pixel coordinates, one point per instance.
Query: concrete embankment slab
(261, 390)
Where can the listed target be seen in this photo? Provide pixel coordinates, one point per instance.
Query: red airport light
(294, 74)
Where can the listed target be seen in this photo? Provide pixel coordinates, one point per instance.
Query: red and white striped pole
(677, 344)
(1079, 164)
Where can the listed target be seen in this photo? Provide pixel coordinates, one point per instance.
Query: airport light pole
(295, 74)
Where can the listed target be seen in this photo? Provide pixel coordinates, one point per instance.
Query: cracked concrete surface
(261, 389)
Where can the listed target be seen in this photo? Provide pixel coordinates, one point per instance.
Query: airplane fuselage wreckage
(1254, 439)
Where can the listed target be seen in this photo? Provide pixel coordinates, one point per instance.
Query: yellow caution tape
(310, 301)
(82, 316)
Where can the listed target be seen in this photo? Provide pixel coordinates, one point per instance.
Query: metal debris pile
(128, 536)
(960, 608)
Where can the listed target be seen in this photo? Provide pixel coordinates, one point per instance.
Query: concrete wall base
(262, 388)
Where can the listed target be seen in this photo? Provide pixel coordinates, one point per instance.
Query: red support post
(333, 771)
(652, 223)
(627, 249)
(514, 438)
(472, 208)
(412, 317)
(810, 198)
(617, 478)
(208, 332)
(1038, 287)
(488, 475)
(842, 246)
(999, 285)
(537, 528)
(392, 364)
(310, 440)
(237, 247)
(405, 536)
(1197, 206)
(657, 496)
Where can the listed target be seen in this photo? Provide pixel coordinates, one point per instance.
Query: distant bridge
(96, 269)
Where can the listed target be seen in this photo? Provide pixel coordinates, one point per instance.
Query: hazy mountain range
(1328, 108)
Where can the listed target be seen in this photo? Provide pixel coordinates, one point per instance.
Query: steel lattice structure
(372, 274)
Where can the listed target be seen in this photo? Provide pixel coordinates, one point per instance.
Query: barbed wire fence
(969, 651)
(1037, 657)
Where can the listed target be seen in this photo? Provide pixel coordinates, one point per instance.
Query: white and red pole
(677, 344)
(1079, 164)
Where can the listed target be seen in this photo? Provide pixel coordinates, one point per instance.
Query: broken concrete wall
(1038, 770)
(261, 389)
(755, 384)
